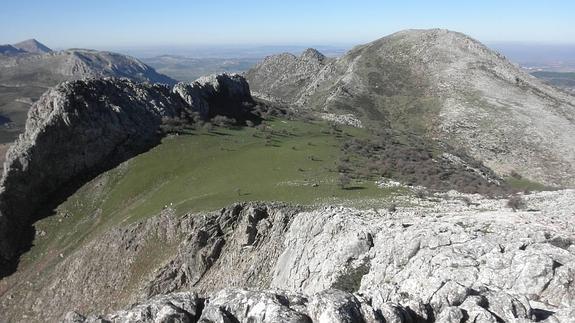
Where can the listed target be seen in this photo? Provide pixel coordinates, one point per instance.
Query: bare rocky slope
(439, 261)
(81, 128)
(443, 85)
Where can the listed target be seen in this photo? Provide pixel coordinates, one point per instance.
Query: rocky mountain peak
(312, 54)
(284, 76)
(33, 46)
(457, 88)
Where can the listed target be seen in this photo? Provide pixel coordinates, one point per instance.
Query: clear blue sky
(111, 23)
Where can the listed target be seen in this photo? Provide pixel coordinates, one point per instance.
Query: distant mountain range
(188, 69)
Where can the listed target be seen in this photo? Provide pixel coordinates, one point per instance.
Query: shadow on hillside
(24, 236)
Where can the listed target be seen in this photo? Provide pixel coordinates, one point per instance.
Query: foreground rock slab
(439, 261)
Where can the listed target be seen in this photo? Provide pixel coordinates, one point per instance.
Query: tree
(208, 126)
(223, 121)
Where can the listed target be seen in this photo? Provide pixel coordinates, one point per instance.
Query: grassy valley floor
(286, 161)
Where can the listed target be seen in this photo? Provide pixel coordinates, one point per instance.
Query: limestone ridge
(443, 85)
(80, 128)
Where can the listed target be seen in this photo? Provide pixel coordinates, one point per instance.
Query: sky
(105, 24)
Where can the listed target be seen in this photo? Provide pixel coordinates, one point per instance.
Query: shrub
(343, 181)
(208, 126)
(516, 202)
(515, 175)
(466, 200)
(223, 121)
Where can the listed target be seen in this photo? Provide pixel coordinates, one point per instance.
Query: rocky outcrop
(285, 76)
(440, 261)
(80, 128)
(443, 85)
(240, 305)
(221, 94)
(177, 307)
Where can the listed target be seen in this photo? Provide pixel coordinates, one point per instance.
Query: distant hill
(440, 85)
(562, 80)
(33, 46)
(187, 69)
(10, 50)
(54, 67)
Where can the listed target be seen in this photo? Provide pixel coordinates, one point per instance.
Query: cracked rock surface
(439, 261)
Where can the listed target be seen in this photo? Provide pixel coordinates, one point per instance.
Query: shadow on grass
(354, 188)
(217, 133)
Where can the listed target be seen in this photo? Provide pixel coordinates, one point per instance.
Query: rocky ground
(447, 258)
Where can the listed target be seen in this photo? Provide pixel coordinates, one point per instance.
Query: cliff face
(80, 128)
(443, 85)
(218, 95)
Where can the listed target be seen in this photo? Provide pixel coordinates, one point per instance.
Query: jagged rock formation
(283, 77)
(178, 307)
(80, 128)
(33, 46)
(443, 85)
(238, 305)
(215, 94)
(438, 260)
